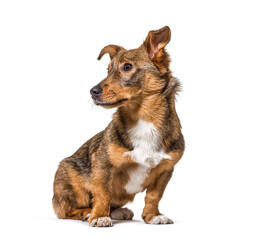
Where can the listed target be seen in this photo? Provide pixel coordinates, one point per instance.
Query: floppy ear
(155, 43)
(112, 50)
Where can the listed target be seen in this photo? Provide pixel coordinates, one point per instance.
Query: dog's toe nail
(87, 216)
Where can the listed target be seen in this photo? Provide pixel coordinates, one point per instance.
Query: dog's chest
(147, 152)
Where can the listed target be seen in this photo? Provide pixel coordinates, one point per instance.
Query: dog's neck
(146, 108)
(151, 108)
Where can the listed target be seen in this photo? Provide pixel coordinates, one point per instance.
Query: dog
(138, 149)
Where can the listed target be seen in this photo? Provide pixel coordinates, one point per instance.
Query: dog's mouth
(110, 104)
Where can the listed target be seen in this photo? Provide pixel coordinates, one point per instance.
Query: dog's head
(135, 73)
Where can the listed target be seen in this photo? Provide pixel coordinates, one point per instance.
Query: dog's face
(135, 73)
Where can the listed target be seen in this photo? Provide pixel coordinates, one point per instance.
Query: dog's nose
(96, 91)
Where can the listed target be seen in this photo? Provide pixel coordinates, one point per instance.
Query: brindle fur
(92, 180)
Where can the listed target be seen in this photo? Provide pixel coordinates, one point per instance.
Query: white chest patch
(147, 153)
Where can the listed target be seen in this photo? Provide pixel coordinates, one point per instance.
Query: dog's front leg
(102, 195)
(154, 194)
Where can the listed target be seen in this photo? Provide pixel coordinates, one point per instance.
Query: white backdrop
(48, 52)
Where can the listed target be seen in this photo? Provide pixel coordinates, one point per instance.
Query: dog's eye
(127, 67)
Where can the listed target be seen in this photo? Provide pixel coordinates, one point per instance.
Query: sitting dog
(139, 148)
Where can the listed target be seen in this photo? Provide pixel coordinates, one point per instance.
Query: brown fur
(92, 180)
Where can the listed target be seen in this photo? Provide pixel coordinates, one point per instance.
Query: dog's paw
(122, 214)
(101, 222)
(160, 219)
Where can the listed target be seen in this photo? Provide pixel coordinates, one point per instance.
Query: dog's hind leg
(64, 210)
(79, 214)
(71, 198)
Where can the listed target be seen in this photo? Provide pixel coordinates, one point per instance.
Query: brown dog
(139, 148)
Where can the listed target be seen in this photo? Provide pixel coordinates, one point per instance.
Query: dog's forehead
(124, 56)
(134, 55)
(130, 53)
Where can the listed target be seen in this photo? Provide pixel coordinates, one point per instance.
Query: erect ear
(155, 43)
(112, 50)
